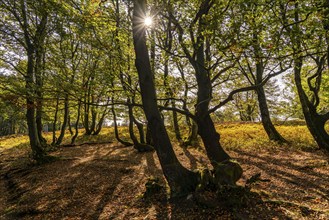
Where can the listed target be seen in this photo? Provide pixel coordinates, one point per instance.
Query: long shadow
(304, 180)
(157, 201)
(102, 173)
(255, 207)
(282, 162)
(252, 208)
(74, 180)
(193, 161)
(184, 208)
(106, 198)
(266, 160)
(151, 168)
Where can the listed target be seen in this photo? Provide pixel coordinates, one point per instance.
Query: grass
(253, 136)
(22, 141)
(233, 136)
(12, 141)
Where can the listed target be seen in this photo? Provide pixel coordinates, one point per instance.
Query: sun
(148, 21)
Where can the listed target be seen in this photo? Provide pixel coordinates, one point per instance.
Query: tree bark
(93, 118)
(116, 131)
(315, 122)
(65, 120)
(39, 101)
(192, 138)
(76, 126)
(39, 69)
(33, 41)
(206, 128)
(69, 124)
(55, 121)
(271, 131)
(180, 179)
(99, 125)
(176, 123)
(140, 147)
(140, 128)
(148, 137)
(38, 152)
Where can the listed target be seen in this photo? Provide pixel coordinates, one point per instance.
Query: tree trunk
(38, 152)
(86, 110)
(76, 126)
(39, 69)
(93, 119)
(99, 125)
(55, 121)
(192, 138)
(315, 122)
(180, 179)
(206, 128)
(116, 132)
(38, 119)
(140, 128)
(65, 119)
(210, 138)
(272, 133)
(69, 124)
(176, 124)
(140, 147)
(148, 137)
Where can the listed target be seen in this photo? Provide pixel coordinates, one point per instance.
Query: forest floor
(107, 181)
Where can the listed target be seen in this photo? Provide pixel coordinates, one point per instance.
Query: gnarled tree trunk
(314, 121)
(180, 179)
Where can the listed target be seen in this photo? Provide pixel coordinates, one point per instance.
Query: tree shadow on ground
(234, 204)
(298, 181)
(192, 159)
(211, 205)
(294, 172)
(107, 182)
(71, 187)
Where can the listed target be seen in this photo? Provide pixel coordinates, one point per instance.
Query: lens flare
(148, 21)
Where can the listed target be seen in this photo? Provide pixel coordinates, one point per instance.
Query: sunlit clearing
(148, 21)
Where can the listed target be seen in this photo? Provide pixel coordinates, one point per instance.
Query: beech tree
(26, 27)
(293, 19)
(260, 56)
(180, 179)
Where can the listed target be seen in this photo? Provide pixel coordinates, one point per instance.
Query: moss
(227, 173)
(205, 179)
(152, 186)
